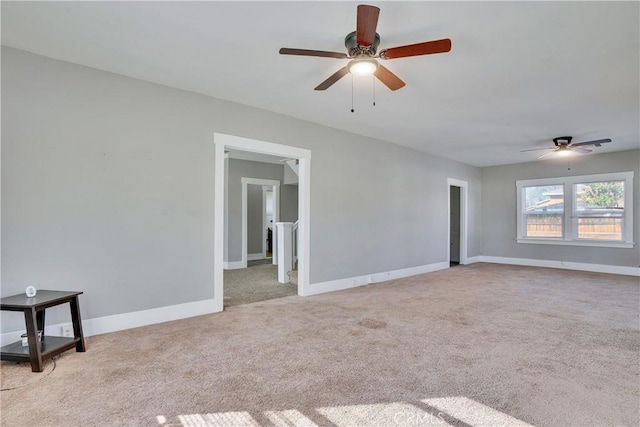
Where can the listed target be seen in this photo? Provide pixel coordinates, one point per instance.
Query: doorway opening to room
(254, 204)
(454, 226)
(267, 226)
(261, 205)
(457, 222)
(268, 201)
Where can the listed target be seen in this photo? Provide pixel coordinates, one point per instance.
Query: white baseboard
(255, 257)
(119, 322)
(233, 265)
(596, 268)
(353, 282)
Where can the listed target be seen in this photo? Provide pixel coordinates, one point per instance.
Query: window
(599, 210)
(544, 211)
(580, 210)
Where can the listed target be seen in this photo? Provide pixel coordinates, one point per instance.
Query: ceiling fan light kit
(362, 66)
(362, 46)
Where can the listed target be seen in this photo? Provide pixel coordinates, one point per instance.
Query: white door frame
(276, 211)
(463, 218)
(224, 141)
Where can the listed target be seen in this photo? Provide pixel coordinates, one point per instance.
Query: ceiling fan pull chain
(352, 110)
(374, 90)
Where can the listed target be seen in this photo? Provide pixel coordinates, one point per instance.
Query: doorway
(224, 142)
(457, 222)
(254, 216)
(454, 226)
(269, 219)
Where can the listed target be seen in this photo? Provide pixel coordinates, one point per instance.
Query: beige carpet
(258, 282)
(474, 345)
(16, 375)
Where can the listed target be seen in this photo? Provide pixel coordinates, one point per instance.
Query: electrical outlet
(67, 330)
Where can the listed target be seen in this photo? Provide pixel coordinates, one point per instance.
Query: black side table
(34, 310)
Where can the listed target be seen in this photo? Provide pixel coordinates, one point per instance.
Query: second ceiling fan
(362, 46)
(563, 145)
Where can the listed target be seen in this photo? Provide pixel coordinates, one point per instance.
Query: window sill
(623, 245)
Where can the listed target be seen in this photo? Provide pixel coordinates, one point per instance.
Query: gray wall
(288, 203)
(107, 187)
(499, 208)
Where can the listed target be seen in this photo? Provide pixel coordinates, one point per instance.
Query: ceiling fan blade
(547, 154)
(535, 149)
(333, 78)
(596, 142)
(307, 52)
(390, 80)
(425, 48)
(580, 149)
(366, 24)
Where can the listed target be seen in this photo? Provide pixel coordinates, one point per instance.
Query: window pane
(543, 211)
(600, 228)
(600, 210)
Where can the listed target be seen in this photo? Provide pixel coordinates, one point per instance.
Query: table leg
(32, 335)
(40, 321)
(77, 323)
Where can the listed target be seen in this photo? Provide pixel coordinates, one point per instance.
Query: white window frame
(570, 219)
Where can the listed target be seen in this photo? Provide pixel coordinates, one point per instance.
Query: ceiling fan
(362, 46)
(563, 145)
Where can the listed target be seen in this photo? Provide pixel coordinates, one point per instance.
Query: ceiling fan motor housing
(562, 141)
(355, 50)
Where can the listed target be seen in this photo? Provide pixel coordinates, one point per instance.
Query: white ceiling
(518, 74)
